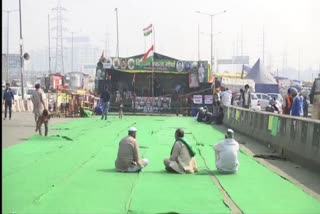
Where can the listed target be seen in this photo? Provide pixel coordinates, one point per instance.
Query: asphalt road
(21, 127)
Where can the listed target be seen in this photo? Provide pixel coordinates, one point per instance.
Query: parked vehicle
(277, 97)
(264, 100)
(17, 93)
(29, 93)
(255, 102)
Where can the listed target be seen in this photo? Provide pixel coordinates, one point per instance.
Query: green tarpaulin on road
(72, 171)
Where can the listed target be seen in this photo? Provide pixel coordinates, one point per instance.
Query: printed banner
(152, 104)
(197, 69)
(197, 99)
(208, 99)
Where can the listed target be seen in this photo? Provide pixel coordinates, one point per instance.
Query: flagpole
(153, 61)
(134, 92)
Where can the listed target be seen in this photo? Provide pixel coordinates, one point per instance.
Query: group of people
(220, 99)
(41, 114)
(105, 101)
(295, 104)
(182, 156)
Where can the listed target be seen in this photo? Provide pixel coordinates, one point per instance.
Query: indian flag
(148, 30)
(148, 56)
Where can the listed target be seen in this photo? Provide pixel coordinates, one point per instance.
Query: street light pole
(198, 42)
(117, 33)
(49, 43)
(21, 51)
(211, 22)
(7, 46)
(7, 66)
(72, 52)
(211, 52)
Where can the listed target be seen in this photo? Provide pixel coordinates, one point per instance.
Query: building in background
(12, 63)
(81, 58)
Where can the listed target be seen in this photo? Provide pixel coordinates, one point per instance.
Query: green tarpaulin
(72, 171)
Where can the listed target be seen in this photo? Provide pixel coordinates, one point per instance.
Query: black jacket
(105, 96)
(8, 95)
(243, 98)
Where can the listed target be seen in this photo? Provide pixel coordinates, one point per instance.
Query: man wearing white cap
(128, 159)
(227, 154)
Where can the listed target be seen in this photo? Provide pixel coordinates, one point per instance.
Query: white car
(17, 93)
(255, 102)
(264, 100)
(278, 97)
(30, 92)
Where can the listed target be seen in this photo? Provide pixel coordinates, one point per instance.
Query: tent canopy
(265, 82)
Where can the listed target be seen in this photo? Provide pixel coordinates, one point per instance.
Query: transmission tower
(59, 66)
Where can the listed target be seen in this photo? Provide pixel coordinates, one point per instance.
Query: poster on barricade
(197, 99)
(208, 99)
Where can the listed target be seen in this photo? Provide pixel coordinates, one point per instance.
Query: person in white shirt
(201, 73)
(226, 97)
(227, 154)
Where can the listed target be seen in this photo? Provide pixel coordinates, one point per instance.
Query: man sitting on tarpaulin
(128, 158)
(182, 156)
(226, 153)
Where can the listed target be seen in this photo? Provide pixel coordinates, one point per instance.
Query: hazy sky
(291, 27)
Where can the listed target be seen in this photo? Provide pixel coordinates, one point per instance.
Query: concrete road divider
(296, 138)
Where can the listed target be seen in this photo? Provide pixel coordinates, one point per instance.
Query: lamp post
(211, 35)
(8, 13)
(21, 51)
(116, 10)
(214, 50)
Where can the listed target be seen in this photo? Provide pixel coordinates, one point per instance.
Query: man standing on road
(128, 159)
(227, 154)
(246, 97)
(288, 103)
(37, 99)
(226, 97)
(297, 104)
(105, 97)
(8, 101)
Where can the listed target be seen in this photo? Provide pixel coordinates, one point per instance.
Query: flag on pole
(148, 56)
(148, 30)
(134, 79)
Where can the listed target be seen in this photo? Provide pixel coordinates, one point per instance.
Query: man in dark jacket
(8, 100)
(246, 97)
(105, 99)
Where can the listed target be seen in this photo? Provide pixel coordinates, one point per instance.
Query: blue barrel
(194, 111)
